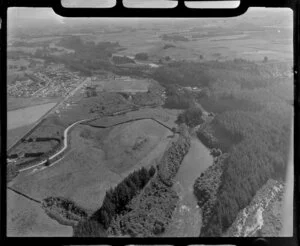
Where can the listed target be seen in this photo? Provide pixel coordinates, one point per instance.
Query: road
(50, 111)
(66, 131)
(63, 149)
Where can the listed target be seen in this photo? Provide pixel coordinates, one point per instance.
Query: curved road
(60, 151)
(81, 121)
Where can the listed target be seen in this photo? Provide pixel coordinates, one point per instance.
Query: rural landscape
(148, 127)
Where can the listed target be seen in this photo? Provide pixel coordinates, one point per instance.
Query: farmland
(204, 104)
(26, 116)
(27, 218)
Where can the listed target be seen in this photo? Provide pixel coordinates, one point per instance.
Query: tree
(142, 56)
(47, 163)
(152, 171)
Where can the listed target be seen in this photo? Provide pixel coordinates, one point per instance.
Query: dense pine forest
(252, 104)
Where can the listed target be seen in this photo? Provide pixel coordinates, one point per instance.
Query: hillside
(262, 217)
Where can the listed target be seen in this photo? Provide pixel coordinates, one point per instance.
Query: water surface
(186, 217)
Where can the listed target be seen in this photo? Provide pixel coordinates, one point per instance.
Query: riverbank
(186, 219)
(207, 185)
(151, 211)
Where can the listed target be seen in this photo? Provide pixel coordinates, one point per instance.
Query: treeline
(216, 135)
(122, 60)
(43, 157)
(149, 213)
(176, 98)
(172, 158)
(173, 37)
(117, 198)
(89, 50)
(141, 56)
(252, 124)
(34, 154)
(63, 210)
(191, 117)
(183, 73)
(40, 139)
(88, 56)
(234, 74)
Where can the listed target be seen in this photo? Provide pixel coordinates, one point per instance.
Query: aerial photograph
(150, 127)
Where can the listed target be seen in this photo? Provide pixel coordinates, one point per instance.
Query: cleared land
(14, 103)
(26, 218)
(123, 85)
(91, 167)
(25, 116)
(20, 121)
(14, 135)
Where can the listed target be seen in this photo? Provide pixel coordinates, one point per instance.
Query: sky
(25, 15)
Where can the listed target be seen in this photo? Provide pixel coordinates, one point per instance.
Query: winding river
(186, 218)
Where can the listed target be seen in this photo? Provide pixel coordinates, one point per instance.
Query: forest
(176, 98)
(253, 113)
(149, 213)
(262, 154)
(122, 60)
(253, 125)
(115, 201)
(141, 56)
(191, 117)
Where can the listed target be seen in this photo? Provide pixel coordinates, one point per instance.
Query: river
(186, 218)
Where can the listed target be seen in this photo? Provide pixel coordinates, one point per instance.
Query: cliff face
(207, 185)
(262, 217)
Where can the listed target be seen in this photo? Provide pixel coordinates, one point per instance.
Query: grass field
(123, 85)
(14, 135)
(98, 159)
(127, 144)
(14, 103)
(26, 116)
(249, 43)
(26, 218)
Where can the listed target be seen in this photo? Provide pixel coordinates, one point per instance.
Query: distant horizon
(22, 13)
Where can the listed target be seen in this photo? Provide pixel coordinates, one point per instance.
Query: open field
(91, 167)
(26, 218)
(127, 144)
(14, 103)
(240, 71)
(26, 116)
(245, 43)
(123, 85)
(20, 121)
(165, 116)
(13, 135)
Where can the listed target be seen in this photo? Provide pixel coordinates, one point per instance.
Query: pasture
(26, 218)
(97, 160)
(26, 116)
(123, 84)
